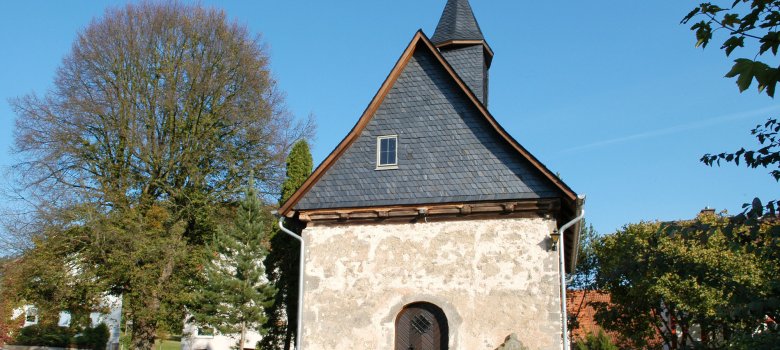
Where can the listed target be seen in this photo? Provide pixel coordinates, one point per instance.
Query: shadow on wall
(512, 342)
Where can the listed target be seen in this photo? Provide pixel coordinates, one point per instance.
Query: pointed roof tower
(460, 40)
(457, 23)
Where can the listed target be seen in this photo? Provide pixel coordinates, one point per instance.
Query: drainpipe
(298, 332)
(562, 268)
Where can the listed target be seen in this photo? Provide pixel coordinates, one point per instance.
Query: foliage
(236, 293)
(599, 341)
(157, 117)
(766, 156)
(7, 304)
(756, 21)
(717, 272)
(44, 335)
(584, 276)
(94, 338)
(745, 19)
(283, 261)
(52, 335)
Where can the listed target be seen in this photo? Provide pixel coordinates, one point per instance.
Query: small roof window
(387, 152)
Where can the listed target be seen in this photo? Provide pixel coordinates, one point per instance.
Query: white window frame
(379, 165)
(30, 311)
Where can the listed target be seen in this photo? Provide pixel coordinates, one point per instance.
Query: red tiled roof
(579, 307)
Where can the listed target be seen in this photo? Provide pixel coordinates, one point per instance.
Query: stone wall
(490, 277)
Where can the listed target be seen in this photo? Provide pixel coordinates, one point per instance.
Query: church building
(429, 226)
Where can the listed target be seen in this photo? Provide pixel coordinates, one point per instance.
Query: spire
(459, 39)
(457, 23)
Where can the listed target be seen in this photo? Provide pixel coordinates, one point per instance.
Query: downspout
(562, 268)
(298, 333)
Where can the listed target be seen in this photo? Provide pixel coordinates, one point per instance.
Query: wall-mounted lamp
(554, 237)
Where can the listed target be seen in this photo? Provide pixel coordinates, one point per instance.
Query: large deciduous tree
(715, 272)
(236, 292)
(157, 116)
(283, 261)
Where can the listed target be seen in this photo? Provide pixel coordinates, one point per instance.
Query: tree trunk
(243, 336)
(144, 334)
(288, 334)
(673, 328)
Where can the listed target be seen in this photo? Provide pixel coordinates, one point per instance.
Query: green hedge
(52, 336)
(94, 338)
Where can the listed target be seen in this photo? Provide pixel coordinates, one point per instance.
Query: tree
(236, 293)
(757, 21)
(283, 262)
(666, 277)
(598, 341)
(584, 276)
(157, 117)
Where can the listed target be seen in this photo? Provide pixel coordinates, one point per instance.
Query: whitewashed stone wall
(490, 277)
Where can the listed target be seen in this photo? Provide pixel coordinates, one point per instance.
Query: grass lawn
(167, 345)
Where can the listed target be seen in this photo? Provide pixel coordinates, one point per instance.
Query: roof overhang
(572, 236)
(544, 207)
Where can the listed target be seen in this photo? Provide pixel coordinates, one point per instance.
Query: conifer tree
(282, 262)
(237, 293)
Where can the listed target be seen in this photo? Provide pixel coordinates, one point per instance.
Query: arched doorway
(421, 326)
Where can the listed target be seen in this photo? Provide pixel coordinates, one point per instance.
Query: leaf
(690, 15)
(733, 43)
(710, 9)
(745, 70)
(703, 33)
(769, 41)
(730, 19)
(767, 79)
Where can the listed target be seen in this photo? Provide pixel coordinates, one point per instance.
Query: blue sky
(611, 94)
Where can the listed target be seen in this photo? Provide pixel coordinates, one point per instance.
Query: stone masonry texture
(491, 278)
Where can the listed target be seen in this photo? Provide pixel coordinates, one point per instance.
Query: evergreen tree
(283, 262)
(584, 276)
(236, 294)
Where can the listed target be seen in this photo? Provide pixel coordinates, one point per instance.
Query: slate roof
(447, 152)
(449, 147)
(469, 63)
(457, 23)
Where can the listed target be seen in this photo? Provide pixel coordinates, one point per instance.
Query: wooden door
(421, 326)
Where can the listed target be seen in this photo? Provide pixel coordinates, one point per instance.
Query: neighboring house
(201, 338)
(112, 319)
(581, 307)
(429, 226)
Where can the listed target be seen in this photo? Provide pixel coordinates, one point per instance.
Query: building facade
(430, 227)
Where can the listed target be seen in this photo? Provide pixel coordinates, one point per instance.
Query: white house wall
(490, 277)
(191, 340)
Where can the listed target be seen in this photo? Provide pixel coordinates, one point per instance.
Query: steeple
(457, 23)
(461, 42)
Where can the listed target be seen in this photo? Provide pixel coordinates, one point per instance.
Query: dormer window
(387, 152)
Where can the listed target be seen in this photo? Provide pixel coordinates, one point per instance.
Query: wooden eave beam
(540, 207)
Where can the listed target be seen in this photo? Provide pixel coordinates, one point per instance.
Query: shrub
(598, 341)
(93, 338)
(53, 336)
